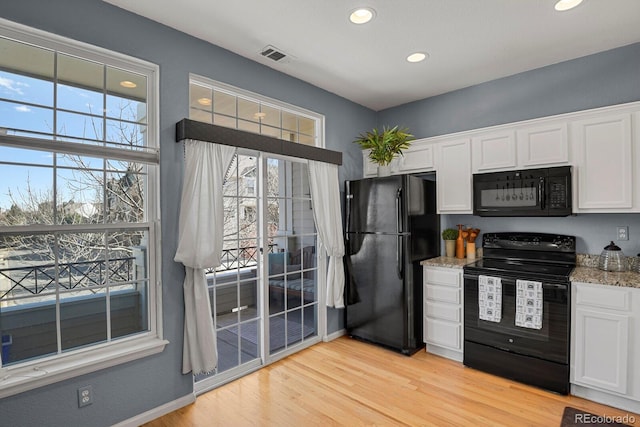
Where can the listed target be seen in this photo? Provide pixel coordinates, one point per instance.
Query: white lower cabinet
(443, 315)
(605, 350)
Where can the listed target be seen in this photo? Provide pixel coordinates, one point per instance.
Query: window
(78, 206)
(224, 105)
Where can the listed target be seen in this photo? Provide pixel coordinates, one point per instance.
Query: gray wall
(607, 78)
(127, 390)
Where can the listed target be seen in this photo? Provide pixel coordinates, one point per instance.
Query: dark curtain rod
(191, 129)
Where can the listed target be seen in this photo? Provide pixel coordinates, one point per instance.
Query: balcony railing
(235, 258)
(73, 275)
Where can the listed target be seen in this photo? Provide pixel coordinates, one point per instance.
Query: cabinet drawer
(602, 296)
(442, 333)
(443, 311)
(442, 277)
(443, 294)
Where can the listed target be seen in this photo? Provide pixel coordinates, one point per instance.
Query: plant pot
(450, 248)
(384, 170)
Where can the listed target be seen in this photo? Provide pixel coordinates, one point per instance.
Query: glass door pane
(291, 265)
(233, 286)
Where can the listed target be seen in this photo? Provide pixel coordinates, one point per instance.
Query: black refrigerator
(391, 225)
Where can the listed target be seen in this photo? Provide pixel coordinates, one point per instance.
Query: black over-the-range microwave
(530, 192)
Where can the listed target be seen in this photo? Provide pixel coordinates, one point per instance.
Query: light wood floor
(346, 382)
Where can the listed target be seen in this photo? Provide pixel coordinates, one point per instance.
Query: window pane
(248, 126)
(27, 193)
(80, 125)
(248, 110)
(27, 276)
(25, 117)
(289, 121)
(269, 131)
(83, 322)
(307, 126)
(79, 99)
(201, 98)
(80, 196)
(26, 59)
(125, 194)
(25, 89)
(126, 135)
(128, 280)
(224, 103)
(127, 85)
(80, 73)
(289, 136)
(126, 109)
(306, 140)
(229, 122)
(270, 116)
(200, 115)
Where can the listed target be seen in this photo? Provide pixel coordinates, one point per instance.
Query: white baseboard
(332, 336)
(606, 398)
(158, 411)
(445, 352)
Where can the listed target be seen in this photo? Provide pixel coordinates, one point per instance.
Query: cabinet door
(418, 158)
(604, 163)
(454, 179)
(601, 350)
(494, 151)
(543, 145)
(369, 168)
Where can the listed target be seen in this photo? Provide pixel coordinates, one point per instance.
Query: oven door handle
(554, 286)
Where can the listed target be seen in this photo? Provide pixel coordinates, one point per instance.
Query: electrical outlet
(623, 232)
(85, 396)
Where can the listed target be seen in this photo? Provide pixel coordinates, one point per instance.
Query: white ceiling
(468, 41)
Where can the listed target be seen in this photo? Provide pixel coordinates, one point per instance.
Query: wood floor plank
(347, 382)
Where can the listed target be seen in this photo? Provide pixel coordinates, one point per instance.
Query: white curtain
(200, 246)
(325, 193)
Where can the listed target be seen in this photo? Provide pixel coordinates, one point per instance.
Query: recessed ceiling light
(417, 57)
(362, 15)
(204, 101)
(563, 5)
(128, 84)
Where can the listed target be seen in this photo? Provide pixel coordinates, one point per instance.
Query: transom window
(228, 106)
(78, 204)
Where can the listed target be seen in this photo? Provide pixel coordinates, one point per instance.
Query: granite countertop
(586, 271)
(449, 262)
(627, 279)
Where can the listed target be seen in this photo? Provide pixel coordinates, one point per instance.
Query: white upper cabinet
(419, 157)
(543, 145)
(369, 168)
(454, 179)
(494, 151)
(604, 160)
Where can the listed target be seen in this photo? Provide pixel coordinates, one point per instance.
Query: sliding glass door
(264, 295)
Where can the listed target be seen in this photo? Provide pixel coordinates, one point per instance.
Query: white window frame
(31, 374)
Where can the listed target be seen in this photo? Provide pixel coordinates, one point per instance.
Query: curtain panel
(200, 239)
(325, 196)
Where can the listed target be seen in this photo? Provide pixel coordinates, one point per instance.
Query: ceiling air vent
(272, 52)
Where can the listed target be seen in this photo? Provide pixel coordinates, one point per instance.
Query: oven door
(548, 343)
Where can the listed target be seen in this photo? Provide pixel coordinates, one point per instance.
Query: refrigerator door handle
(399, 261)
(348, 213)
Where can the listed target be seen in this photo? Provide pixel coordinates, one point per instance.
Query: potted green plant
(384, 145)
(449, 236)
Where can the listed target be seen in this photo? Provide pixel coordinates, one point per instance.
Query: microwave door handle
(541, 193)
